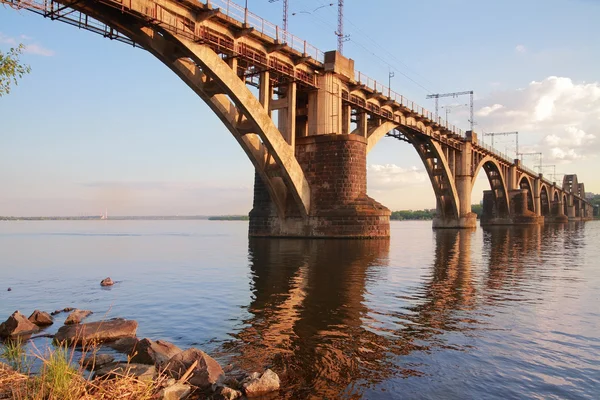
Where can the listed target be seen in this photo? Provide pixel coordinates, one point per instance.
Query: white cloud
(521, 49)
(391, 176)
(30, 48)
(485, 111)
(564, 114)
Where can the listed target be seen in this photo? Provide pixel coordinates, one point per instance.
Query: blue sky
(99, 124)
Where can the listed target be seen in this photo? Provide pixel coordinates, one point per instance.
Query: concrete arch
(497, 183)
(525, 183)
(374, 135)
(565, 204)
(544, 201)
(440, 175)
(209, 76)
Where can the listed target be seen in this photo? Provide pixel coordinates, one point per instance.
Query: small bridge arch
(545, 201)
(497, 181)
(525, 184)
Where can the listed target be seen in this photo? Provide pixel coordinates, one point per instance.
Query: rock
(9, 290)
(17, 324)
(140, 371)
(107, 282)
(157, 353)
(41, 318)
(127, 345)
(101, 331)
(230, 394)
(204, 374)
(77, 316)
(66, 309)
(94, 362)
(176, 391)
(268, 382)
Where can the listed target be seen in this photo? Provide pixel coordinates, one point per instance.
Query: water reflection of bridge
(314, 320)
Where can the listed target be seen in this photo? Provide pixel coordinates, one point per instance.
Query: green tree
(11, 69)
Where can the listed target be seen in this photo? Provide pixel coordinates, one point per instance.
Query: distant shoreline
(134, 218)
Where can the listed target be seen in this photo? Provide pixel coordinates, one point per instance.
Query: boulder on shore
(154, 352)
(17, 324)
(94, 362)
(41, 318)
(107, 282)
(101, 331)
(206, 372)
(176, 391)
(77, 316)
(258, 386)
(126, 345)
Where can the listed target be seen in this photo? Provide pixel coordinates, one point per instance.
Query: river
(503, 313)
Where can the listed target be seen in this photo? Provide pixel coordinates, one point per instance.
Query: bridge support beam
(335, 168)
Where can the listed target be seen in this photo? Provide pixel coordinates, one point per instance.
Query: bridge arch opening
(495, 200)
(524, 184)
(544, 201)
(565, 205)
(555, 203)
(577, 205)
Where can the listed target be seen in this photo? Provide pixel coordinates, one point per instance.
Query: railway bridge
(307, 120)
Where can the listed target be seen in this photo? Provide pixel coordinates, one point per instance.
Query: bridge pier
(335, 168)
(519, 213)
(557, 214)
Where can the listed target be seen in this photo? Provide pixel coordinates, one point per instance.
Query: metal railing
(241, 14)
(403, 101)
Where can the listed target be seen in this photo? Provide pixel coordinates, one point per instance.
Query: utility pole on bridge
(533, 154)
(437, 96)
(286, 4)
(340, 30)
(492, 134)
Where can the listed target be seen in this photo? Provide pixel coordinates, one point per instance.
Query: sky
(98, 125)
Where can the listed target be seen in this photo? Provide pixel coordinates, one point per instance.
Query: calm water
(502, 313)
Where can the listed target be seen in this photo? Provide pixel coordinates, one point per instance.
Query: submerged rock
(66, 309)
(206, 372)
(77, 316)
(107, 282)
(257, 386)
(94, 362)
(101, 331)
(126, 345)
(150, 352)
(41, 318)
(16, 325)
(9, 290)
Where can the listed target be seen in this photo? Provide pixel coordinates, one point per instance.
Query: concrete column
(511, 179)
(325, 116)
(265, 92)
(537, 200)
(346, 119)
(363, 124)
(291, 115)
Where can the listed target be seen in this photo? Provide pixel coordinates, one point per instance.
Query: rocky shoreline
(178, 373)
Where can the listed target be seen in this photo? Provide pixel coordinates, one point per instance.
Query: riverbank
(78, 366)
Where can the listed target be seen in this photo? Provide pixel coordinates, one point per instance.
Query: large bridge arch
(497, 182)
(227, 95)
(525, 183)
(440, 175)
(565, 204)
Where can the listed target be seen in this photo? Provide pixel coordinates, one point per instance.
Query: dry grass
(58, 379)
